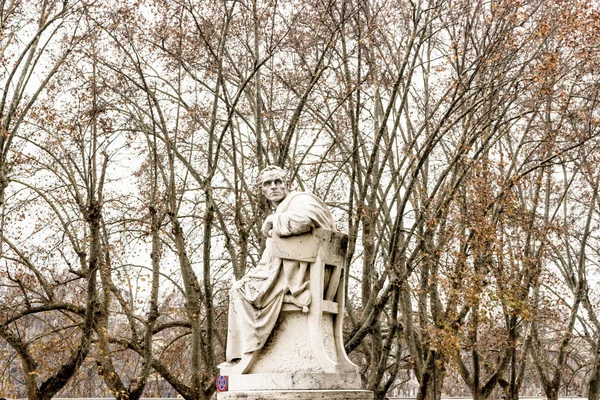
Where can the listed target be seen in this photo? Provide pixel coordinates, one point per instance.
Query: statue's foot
(237, 365)
(227, 364)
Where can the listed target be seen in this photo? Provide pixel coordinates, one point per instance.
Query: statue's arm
(304, 213)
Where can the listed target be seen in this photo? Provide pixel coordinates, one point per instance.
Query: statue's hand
(238, 284)
(267, 226)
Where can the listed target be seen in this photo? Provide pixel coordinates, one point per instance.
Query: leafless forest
(456, 142)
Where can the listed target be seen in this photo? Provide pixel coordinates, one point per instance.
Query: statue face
(274, 187)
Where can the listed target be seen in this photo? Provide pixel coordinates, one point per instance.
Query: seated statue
(256, 300)
(285, 333)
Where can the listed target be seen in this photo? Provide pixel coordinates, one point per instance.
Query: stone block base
(297, 381)
(298, 395)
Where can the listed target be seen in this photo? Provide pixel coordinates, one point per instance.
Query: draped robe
(255, 300)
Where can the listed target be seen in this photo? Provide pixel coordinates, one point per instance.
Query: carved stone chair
(322, 254)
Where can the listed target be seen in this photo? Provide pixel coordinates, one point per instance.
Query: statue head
(273, 183)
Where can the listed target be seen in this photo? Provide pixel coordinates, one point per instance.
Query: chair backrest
(326, 246)
(305, 247)
(325, 251)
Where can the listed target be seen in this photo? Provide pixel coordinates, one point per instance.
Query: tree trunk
(430, 387)
(594, 383)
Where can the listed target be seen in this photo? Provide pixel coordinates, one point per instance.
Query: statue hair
(283, 172)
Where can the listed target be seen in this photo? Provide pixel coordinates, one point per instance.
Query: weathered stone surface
(288, 348)
(294, 381)
(298, 395)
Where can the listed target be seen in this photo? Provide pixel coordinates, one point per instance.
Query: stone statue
(285, 336)
(257, 298)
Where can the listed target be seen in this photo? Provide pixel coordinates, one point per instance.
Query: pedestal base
(298, 395)
(297, 381)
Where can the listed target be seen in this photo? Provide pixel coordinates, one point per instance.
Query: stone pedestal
(298, 395)
(297, 386)
(287, 369)
(294, 381)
